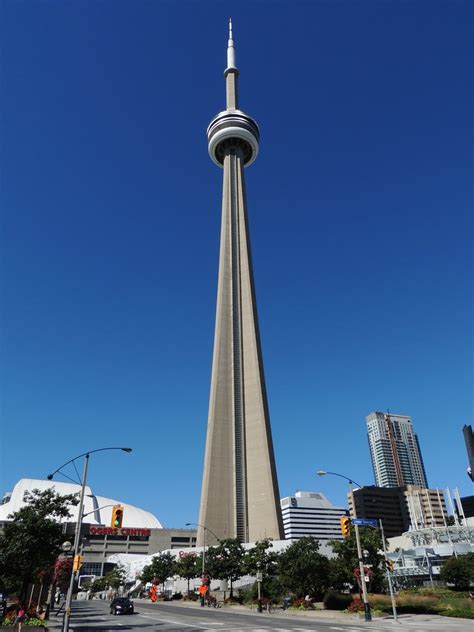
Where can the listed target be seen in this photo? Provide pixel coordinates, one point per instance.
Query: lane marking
(178, 623)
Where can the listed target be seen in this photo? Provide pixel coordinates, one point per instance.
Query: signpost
(365, 522)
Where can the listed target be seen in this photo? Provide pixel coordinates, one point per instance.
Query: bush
(427, 601)
(234, 601)
(336, 601)
(301, 604)
(190, 596)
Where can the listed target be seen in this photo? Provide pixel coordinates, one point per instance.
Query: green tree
(98, 585)
(116, 577)
(162, 566)
(31, 542)
(224, 561)
(260, 557)
(347, 559)
(303, 570)
(188, 567)
(459, 571)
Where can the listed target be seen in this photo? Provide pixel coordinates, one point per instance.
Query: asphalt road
(163, 617)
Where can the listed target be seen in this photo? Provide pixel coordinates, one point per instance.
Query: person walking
(20, 617)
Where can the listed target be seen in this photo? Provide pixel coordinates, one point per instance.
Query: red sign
(123, 531)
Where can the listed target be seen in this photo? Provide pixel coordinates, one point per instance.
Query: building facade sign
(127, 531)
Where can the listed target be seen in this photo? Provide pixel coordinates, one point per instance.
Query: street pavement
(94, 616)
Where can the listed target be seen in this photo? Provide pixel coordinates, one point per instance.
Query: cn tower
(239, 497)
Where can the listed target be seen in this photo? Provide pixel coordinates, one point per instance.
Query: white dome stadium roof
(93, 505)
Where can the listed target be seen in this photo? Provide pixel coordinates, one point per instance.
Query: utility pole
(365, 598)
(389, 574)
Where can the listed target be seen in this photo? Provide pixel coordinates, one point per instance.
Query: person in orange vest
(203, 590)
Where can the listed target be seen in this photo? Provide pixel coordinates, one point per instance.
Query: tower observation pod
(240, 497)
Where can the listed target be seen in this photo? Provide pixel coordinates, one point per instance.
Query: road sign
(365, 522)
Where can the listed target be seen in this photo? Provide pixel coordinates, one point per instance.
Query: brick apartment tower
(239, 497)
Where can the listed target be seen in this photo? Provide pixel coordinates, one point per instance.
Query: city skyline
(360, 217)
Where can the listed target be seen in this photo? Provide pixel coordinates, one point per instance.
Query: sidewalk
(321, 615)
(333, 616)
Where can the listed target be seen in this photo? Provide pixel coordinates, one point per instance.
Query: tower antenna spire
(230, 49)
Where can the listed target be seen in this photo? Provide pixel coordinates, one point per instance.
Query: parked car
(121, 605)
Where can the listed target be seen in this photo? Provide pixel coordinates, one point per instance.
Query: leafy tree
(303, 569)
(224, 561)
(116, 577)
(98, 585)
(162, 566)
(347, 559)
(260, 558)
(459, 571)
(188, 567)
(271, 589)
(31, 542)
(338, 576)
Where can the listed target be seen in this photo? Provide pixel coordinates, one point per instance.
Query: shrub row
(429, 601)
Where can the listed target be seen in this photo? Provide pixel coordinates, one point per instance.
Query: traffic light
(77, 563)
(389, 565)
(345, 526)
(117, 517)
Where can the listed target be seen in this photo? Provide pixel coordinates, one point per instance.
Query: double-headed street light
(196, 524)
(77, 536)
(368, 616)
(204, 528)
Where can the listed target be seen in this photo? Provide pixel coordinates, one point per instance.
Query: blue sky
(360, 214)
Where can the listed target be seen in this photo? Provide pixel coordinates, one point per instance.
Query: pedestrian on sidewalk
(20, 617)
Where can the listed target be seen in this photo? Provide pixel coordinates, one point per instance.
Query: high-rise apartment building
(401, 509)
(395, 451)
(469, 439)
(311, 514)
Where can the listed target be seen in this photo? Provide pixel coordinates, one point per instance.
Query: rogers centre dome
(132, 516)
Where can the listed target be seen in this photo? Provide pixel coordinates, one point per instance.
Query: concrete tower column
(240, 495)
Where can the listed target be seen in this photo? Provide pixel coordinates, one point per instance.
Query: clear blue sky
(360, 213)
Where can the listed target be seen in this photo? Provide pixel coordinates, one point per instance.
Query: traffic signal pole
(389, 574)
(365, 598)
(77, 540)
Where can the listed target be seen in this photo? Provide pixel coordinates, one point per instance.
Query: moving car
(121, 605)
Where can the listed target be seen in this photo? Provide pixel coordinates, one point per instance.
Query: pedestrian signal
(345, 526)
(117, 517)
(389, 565)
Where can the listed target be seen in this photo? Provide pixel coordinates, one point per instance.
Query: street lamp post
(389, 573)
(196, 524)
(77, 535)
(368, 615)
(259, 586)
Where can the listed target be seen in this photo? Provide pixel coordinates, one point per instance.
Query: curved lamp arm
(351, 480)
(50, 476)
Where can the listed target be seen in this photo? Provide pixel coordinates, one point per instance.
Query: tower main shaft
(239, 491)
